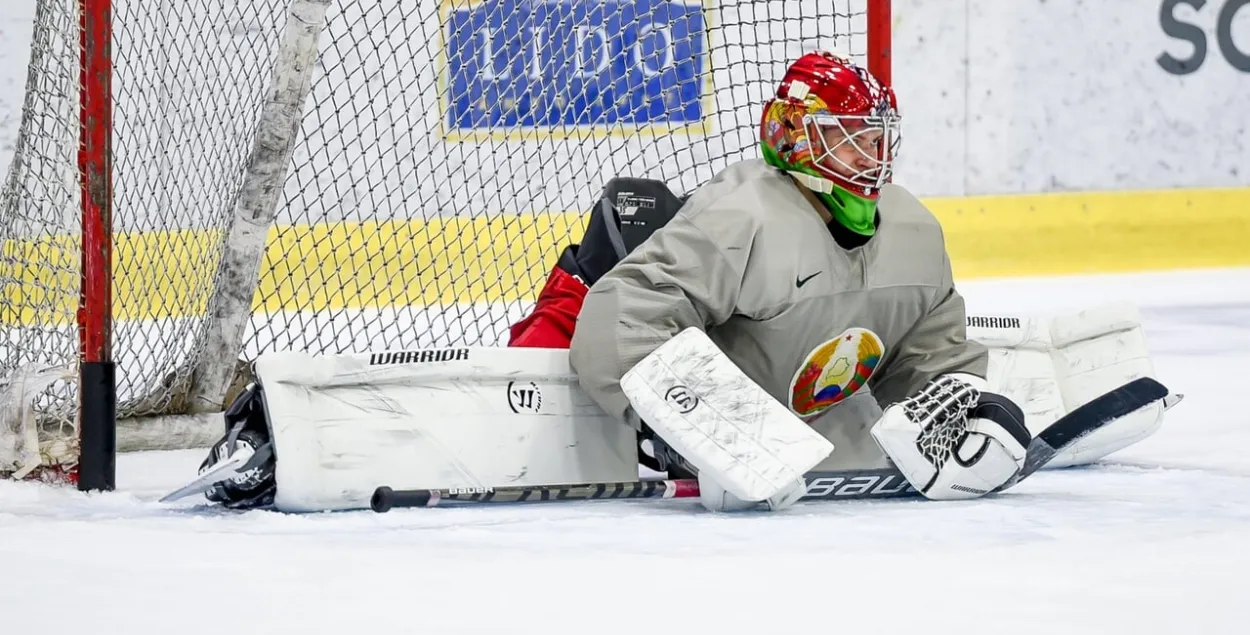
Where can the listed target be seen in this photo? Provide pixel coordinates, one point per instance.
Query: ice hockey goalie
(795, 313)
(319, 433)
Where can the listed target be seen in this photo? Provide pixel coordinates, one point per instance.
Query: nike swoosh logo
(798, 283)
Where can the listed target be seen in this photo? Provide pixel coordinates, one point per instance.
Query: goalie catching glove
(953, 440)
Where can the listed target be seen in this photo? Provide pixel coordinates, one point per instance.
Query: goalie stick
(1079, 423)
(841, 485)
(385, 498)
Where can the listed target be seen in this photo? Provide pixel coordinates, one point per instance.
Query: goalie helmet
(825, 102)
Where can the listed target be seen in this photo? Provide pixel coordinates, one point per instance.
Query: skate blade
(221, 471)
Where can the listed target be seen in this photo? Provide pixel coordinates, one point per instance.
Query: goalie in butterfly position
(816, 278)
(796, 313)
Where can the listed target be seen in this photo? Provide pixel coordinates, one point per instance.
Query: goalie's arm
(684, 276)
(937, 345)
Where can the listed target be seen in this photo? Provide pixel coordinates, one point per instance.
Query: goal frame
(97, 382)
(268, 162)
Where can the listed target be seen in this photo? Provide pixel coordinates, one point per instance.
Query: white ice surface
(1154, 540)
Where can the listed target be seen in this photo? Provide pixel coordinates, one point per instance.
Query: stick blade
(1105, 408)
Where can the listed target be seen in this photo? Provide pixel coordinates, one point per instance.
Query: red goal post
(198, 182)
(96, 381)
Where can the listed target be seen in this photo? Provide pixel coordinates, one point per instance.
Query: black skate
(249, 481)
(654, 453)
(239, 470)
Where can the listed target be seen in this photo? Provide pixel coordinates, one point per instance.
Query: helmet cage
(881, 153)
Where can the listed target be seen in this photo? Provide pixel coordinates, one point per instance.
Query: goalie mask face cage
(850, 119)
(856, 152)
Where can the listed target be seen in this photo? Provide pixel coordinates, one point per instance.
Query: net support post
(230, 307)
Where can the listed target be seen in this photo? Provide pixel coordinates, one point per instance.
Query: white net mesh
(446, 151)
(941, 408)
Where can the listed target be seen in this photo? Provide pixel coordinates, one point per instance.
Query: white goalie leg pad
(1053, 365)
(951, 441)
(721, 421)
(462, 418)
(1096, 351)
(714, 497)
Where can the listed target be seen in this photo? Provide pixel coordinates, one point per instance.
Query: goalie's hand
(953, 440)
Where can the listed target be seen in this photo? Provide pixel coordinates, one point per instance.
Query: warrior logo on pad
(835, 370)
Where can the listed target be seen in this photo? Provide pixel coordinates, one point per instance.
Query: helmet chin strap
(852, 212)
(813, 182)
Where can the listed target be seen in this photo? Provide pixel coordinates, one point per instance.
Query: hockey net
(443, 153)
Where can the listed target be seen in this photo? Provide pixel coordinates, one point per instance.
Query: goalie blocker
(465, 419)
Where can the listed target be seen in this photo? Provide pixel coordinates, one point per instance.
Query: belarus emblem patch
(835, 370)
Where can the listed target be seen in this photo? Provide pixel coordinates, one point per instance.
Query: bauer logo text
(468, 491)
(866, 486)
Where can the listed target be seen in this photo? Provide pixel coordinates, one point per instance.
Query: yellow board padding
(1098, 232)
(439, 261)
(318, 267)
(354, 265)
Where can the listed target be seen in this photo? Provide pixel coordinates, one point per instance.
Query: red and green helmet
(825, 100)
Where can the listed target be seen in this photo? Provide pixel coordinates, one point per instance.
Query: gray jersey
(835, 334)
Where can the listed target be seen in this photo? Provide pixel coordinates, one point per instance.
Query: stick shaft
(385, 498)
(841, 485)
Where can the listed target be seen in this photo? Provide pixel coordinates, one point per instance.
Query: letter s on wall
(1182, 31)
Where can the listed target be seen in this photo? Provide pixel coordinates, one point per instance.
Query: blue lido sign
(513, 65)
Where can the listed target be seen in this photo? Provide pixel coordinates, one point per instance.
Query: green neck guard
(855, 213)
